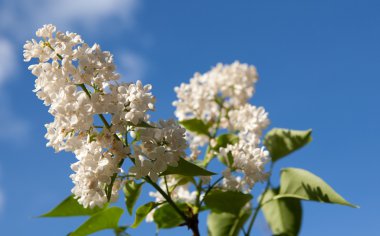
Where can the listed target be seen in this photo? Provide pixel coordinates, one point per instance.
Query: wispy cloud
(132, 67)
(64, 13)
(73, 15)
(11, 126)
(7, 60)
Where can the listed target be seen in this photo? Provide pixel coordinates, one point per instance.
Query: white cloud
(132, 67)
(7, 60)
(19, 18)
(64, 13)
(10, 125)
(90, 11)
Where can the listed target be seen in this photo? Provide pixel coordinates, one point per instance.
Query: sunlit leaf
(223, 140)
(142, 212)
(299, 183)
(281, 142)
(187, 168)
(196, 126)
(71, 207)
(284, 216)
(166, 217)
(132, 191)
(141, 124)
(226, 224)
(106, 219)
(227, 201)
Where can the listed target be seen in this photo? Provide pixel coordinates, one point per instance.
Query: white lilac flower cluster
(80, 85)
(220, 98)
(161, 146)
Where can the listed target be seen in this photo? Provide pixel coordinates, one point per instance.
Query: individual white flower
(46, 31)
(142, 166)
(34, 49)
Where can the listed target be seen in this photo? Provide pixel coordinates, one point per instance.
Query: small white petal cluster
(233, 83)
(161, 146)
(220, 98)
(178, 193)
(93, 170)
(248, 118)
(250, 161)
(81, 87)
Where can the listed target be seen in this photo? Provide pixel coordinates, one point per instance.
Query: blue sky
(319, 68)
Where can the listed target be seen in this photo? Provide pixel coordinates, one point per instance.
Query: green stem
(167, 198)
(108, 126)
(210, 188)
(166, 185)
(260, 204)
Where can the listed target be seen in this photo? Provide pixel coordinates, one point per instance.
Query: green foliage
(196, 126)
(281, 142)
(227, 201)
(299, 183)
(71, 207)
(221, 142)
(132, 191)
(121, 231)
(227, 224)
(187, 168)
(106, 219)
(284, 215)
(141, 124)
(224, 139)
(142, 212)
(166, 217)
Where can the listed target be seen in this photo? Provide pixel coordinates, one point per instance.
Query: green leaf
(227, 201)
(71, 207)
(226, 224)
(132, 192)
(196, 126)
(141, 124)
(107, 219)
(223, 140)
(142, 212)
(186, 168)
(181, 180)
(121, 231)
(284, 215)
(299, 183)
(281, 142)
(166, 217)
